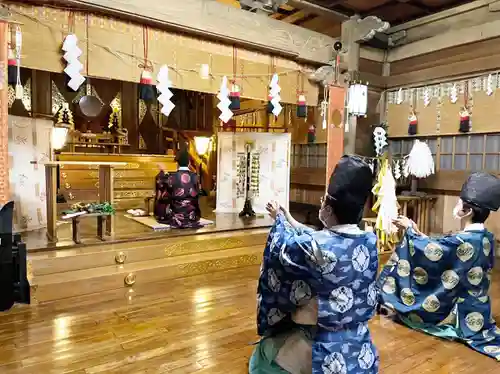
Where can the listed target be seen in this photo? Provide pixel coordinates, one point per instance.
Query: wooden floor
(127, 230)
(201, 324)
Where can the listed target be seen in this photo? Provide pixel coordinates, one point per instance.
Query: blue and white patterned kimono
(340, 270)
(441, 286)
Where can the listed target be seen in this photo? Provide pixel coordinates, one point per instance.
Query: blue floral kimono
(339, 269)
(441, 286)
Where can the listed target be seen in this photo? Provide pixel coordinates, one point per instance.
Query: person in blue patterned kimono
(441, 285)
(317, 289)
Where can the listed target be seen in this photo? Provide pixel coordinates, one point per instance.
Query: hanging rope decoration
(146, 89)
(235, 94)
(72, 53)
(465, 121)
(324, 107)
(412, 118)
(11, 60)
(19, 42)
(301, 98)
(420, 162)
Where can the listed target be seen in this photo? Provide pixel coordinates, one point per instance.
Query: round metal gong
(90, 106)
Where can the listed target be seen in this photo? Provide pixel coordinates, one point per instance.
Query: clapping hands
(273, 207)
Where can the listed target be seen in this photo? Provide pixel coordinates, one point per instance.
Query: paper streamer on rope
(19, 42)
(224, 102)
(380, 140)
(163, 87)
(454, 93)
(420, 162)
(274, 94)
(74, 66)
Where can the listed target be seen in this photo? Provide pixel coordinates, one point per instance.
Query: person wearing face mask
(441, 285)
(317, 289)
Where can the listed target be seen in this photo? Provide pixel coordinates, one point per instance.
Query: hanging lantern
(301, 107)
(234, 96)
(465, 123)
(357, 99)
(412, 123)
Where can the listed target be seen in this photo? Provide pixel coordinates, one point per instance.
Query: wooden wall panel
(469, 59)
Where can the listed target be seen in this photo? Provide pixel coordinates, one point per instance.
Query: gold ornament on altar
(64, 123)
(115, 120)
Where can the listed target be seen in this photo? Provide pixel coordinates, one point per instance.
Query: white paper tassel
(420, 162)
(427, 96)
(274, 92)
(388, 210)
(74, 67)
(19, 43)
(399, 96)
(163, 87)
(397, 170)
(380, 140)
(204, 71)
(224, 102)
(454, 93)
(489, 85)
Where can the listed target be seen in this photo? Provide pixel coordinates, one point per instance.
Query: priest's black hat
(350, 184)
(482, 190)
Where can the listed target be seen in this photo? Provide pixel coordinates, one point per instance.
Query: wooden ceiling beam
(215, 21)
(296, 16)
(319, 10)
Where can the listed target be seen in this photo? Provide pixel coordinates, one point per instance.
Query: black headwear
(482, 190)
(182, 157)
(350, 185)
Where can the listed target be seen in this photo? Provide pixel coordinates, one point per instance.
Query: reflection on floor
(128, 230)
(202, 324)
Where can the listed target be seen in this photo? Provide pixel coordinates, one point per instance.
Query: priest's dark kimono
(337, 268)
(441, 285)
(177, 201)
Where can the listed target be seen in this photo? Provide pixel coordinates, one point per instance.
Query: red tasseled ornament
(234, 96)
(412, 126)
(270, 105)
(301, 107)
(311, 134)
(464, 122)
(12, 67)
(146, 89)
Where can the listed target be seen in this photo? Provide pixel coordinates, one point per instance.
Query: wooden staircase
(66, 273)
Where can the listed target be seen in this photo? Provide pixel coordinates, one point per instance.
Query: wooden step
(95, 256)
(94, 280)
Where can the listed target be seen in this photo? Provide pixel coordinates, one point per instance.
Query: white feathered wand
(419, 163)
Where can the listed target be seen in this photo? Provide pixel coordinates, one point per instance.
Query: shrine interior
(99, 98)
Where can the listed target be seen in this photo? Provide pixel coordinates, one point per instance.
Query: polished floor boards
(201, 324)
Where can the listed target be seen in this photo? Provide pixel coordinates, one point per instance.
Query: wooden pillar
(353, 48)
(4, 125)
(51, 201)
(335, 130)
(106, 192)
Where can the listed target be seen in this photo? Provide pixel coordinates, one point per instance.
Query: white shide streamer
(388, 210)
(163, 87)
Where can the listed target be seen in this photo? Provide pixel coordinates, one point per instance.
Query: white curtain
(29, 142)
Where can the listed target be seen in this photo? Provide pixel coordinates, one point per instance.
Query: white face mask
(458, 211)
